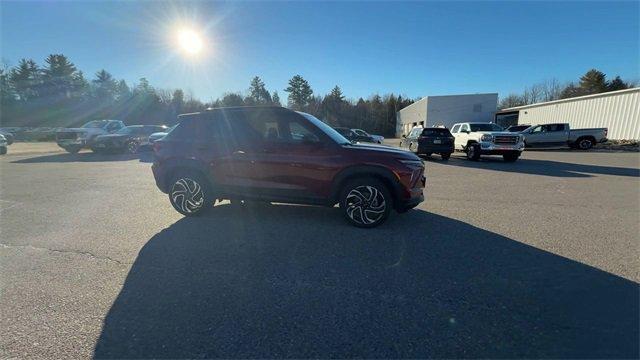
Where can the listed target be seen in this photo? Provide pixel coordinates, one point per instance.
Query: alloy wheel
(187, 195)
(585, 144)
(132, 147)
(365, 205)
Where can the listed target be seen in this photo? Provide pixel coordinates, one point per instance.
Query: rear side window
(436, 132)
(203, 127)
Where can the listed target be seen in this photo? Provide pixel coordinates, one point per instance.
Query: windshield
(485, 127)
(125, 130)
(518, 128)
(331, 132)
(95, 124)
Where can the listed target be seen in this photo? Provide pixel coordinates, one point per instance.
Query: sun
(190, 41)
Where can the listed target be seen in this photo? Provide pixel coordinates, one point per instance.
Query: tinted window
(553, 127)
(455, 129)
(436, 132)
(343, 131)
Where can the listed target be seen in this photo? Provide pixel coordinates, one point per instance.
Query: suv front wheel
(365, 202)
(190, 194)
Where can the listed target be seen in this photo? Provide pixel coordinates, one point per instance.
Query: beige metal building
(619, 111)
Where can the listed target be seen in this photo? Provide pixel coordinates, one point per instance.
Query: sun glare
(189, 41)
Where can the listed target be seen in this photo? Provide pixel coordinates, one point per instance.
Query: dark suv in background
(276, 154)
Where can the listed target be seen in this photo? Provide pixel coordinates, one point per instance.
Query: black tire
(365, 202)
(190, 193)
(72, 149)
(584, 143)
(445, 156)
(131, 147)
(473, 152)
(3, 150)
(427, 154)
(511, 157)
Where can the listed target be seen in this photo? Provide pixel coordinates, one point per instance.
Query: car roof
(236, 108)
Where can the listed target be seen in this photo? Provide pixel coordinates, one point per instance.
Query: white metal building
(619, 111)
(446, 110)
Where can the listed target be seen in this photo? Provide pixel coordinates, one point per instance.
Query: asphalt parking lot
(537, 258)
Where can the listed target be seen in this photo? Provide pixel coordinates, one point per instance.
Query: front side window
(455, 129)
(465, 127)
(95, 124)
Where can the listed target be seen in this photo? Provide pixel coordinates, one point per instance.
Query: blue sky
(411, 48)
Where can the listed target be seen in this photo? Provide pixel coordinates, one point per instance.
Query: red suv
(276, 154)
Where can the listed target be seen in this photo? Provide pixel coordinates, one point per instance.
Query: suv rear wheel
(366, 202)
(190, 193)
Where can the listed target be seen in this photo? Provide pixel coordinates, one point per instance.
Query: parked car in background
(129, 139)
(353, 136)
(378, 139)
(518, 128)
(435, 140)
(9, 137)
(3, 145)
(476, 139)
(159, 135)
(561, 135)
(276, 154)
(74, 139)
(410, 141)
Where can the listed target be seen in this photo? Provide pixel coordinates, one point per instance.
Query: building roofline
(609, 93)
(434, 96)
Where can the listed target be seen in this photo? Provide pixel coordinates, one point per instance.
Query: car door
(286, 159)
(461, 136)
(546, 136)
(556, 135)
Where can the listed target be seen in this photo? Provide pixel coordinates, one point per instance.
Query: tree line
(592, 82)
(58, 94)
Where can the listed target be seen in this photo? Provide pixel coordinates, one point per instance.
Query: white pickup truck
(476, 139)
(560, 135)
(74, 139)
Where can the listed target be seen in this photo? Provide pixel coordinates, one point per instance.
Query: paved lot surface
(533, 259)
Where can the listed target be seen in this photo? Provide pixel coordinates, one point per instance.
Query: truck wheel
(72, 149)
(365, 202)
(473, 152)
(511, 157)
(445, 156)
(584, 143)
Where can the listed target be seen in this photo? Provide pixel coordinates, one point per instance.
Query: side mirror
(404, 136)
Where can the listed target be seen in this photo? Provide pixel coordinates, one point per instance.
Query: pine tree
(617, 84)
(60, 78)
(299, 93)
(275, 99)
(104, 86)
(258, 94)
(593, 82)
(26, 79)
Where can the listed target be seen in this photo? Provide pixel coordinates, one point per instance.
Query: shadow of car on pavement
(542, 167)
(278, 281)
(143, 156)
